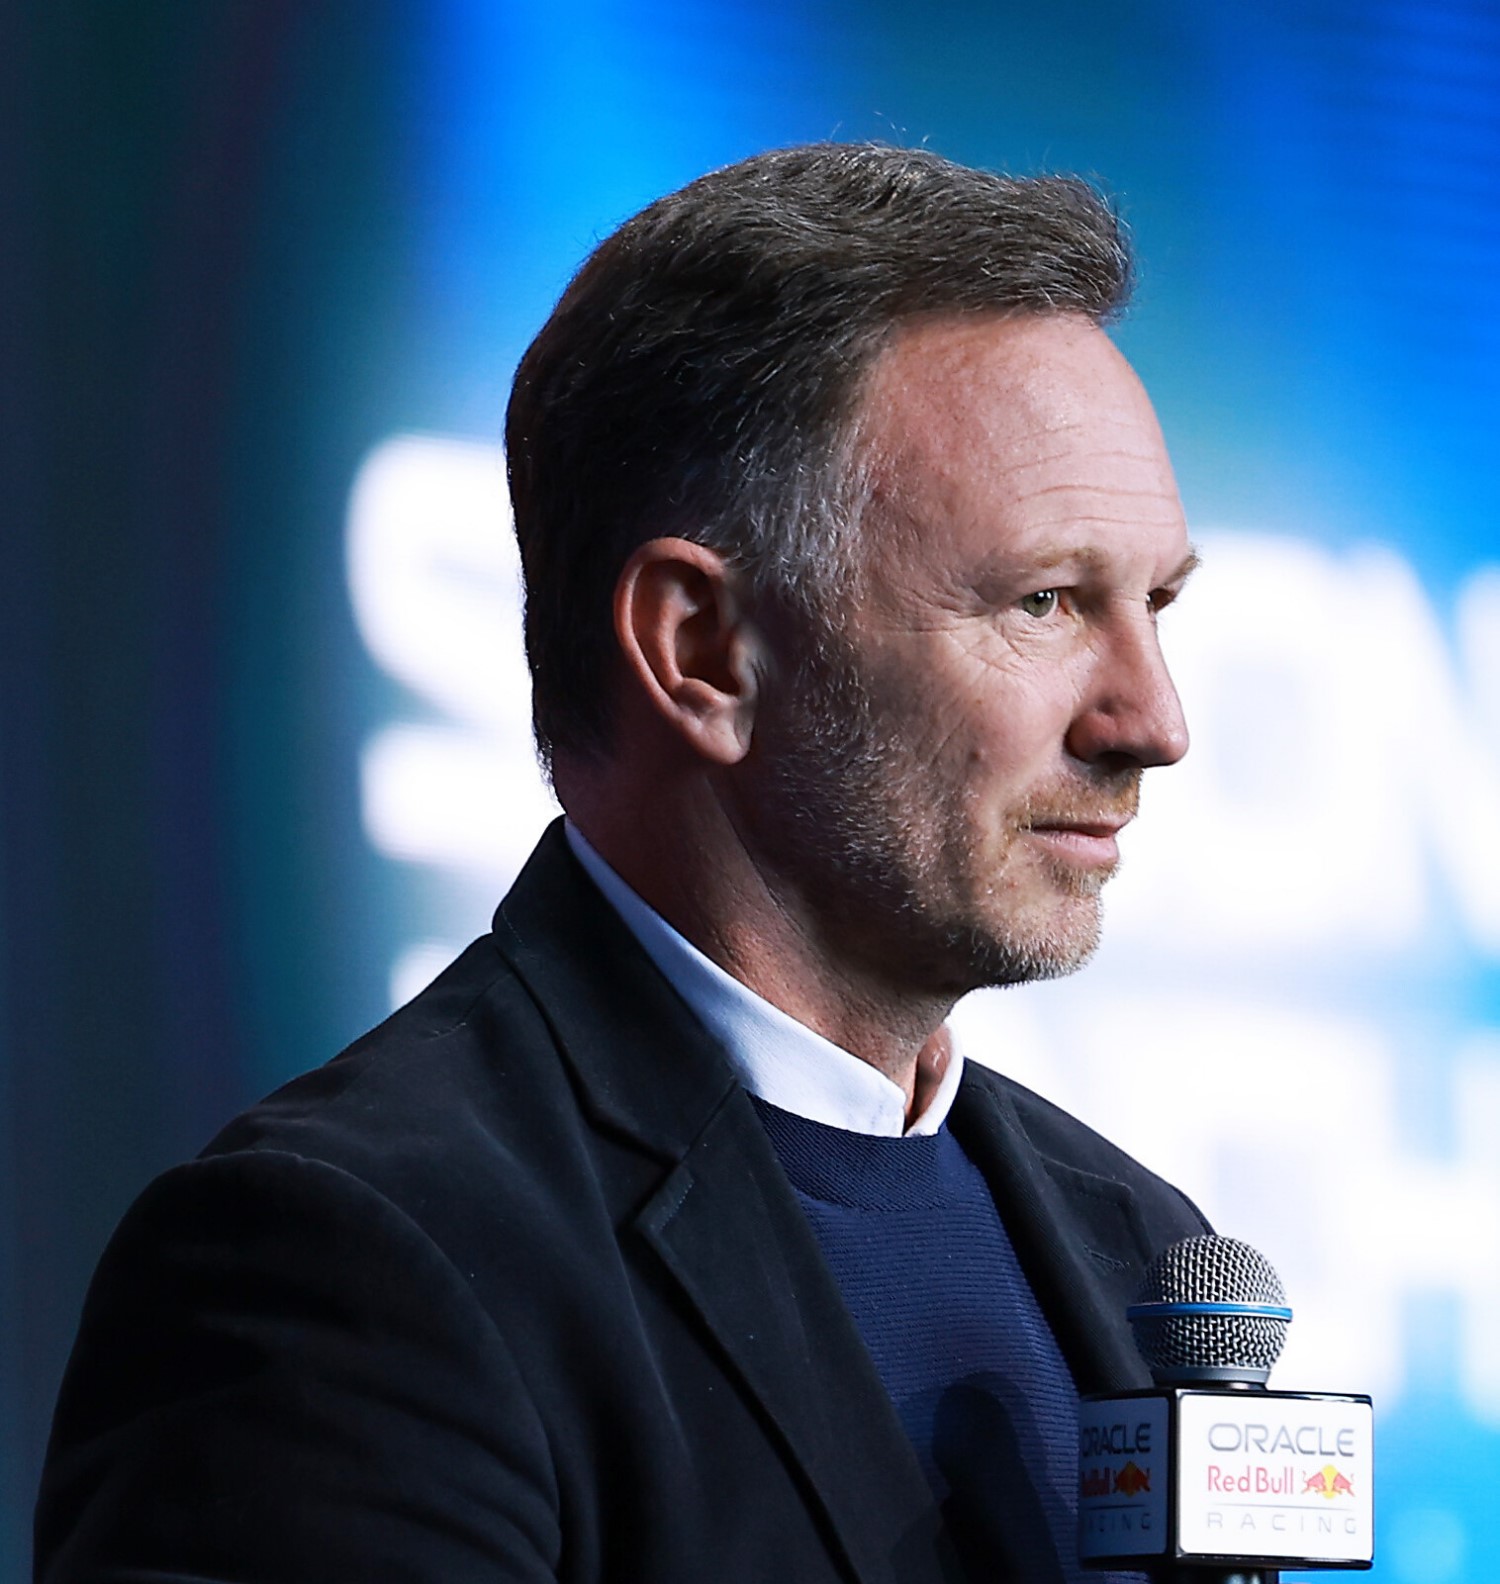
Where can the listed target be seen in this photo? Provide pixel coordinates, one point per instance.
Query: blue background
(246, 244)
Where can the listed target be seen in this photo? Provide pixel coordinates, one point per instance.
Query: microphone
(1209, 1477)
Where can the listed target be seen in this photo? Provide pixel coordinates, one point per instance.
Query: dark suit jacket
(515, 1289)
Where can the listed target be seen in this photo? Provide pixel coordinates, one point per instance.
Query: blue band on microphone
(1169, 1311)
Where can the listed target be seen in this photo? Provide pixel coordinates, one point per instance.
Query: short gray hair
(702, 372)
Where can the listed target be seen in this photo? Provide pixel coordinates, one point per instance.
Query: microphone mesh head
(1206, 1270)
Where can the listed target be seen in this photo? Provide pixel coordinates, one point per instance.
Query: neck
(687, 861)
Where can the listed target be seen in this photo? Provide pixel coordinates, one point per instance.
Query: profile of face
(942, 777)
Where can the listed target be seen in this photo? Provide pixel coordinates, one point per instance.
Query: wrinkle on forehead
(1032, 421)
(999, 388)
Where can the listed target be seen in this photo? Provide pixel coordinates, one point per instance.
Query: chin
(1023, 951)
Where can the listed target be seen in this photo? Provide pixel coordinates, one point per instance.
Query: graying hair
(702, 373)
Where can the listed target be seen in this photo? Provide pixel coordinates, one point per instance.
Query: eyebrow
(1047, 559)
(1185, 569)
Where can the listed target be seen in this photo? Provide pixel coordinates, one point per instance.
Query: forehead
(1023, 429)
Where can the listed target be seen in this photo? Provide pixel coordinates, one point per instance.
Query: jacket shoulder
(440, 1077)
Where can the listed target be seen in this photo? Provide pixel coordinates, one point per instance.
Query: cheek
(1016, 728)
(977, 712)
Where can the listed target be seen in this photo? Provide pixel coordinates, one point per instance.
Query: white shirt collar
(778, 1059)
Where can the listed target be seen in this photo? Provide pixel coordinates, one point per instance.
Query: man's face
(945, 775)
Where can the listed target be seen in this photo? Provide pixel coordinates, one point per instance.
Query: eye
(1040, 604)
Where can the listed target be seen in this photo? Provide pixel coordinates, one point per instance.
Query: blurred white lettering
(1337, 819)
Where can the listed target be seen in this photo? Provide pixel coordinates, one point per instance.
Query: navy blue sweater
(911, 1233)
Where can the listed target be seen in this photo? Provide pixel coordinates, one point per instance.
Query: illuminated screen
(1292, 1013)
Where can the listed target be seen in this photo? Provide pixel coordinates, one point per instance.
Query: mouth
(1088, 842)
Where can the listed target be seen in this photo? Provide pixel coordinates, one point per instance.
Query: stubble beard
(889, 857)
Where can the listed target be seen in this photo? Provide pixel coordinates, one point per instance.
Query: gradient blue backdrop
(248, 243)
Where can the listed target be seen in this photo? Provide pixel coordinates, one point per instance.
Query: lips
(1101, 827)
(1089, 841)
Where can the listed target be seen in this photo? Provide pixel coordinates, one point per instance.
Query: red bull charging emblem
(1328, 1483)
(1132, 1480)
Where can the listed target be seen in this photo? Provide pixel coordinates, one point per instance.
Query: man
(666, 1236)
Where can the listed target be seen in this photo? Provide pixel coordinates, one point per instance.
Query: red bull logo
(1132, 1480)
(1328, 1483)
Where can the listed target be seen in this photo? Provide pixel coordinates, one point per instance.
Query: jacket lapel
(724, 1220)
(1078, 1236)
(729, 1229)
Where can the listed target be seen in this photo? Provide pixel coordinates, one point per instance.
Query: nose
(1130, 712)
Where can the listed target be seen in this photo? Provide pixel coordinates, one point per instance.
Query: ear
(690, 646)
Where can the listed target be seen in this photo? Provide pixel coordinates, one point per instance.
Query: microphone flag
(1209, 1472)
